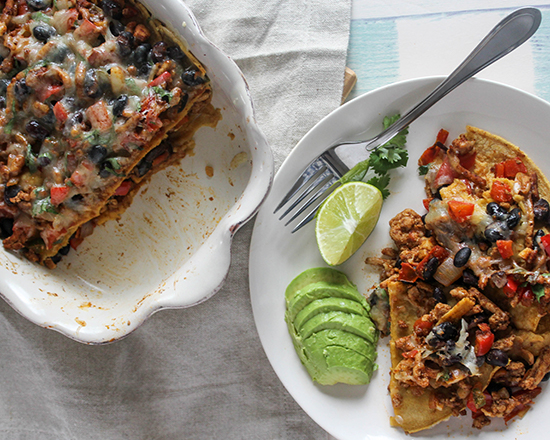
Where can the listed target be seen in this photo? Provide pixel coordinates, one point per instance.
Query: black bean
(546, 377)
(541, 209)
(442, 333)
(39, 4)
(43, 161)
(398, 262)
(91, 84)
(64, 250)
(111, 9)
(513, 218)
(77, 198)
(450, 360)
(43, 32)
(56, 258)
(191, 78)
(125, 41)
(496, 231)
(496, 211)
(119, 105)
(144, 69)
(429, 268)
(462, 257)
(48, 120)
(6, 227)
(439, 296)
(4, 83)
(158, 52)
(183, 101)
(445, 331)
(497, 358)
(10, 192)
(58, 53)
(143, 167)
(116, 27)
(77, 117)
(139, 56)
(2, 101)
(97, 153)
(21, 90)
(37, 130)
(175, 53)
(469, 278)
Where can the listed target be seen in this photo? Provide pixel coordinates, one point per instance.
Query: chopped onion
(447, 273)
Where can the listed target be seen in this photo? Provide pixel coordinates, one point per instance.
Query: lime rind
(346, 219)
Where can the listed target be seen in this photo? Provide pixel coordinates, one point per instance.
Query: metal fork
(322, 175)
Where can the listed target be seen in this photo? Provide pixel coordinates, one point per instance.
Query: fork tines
(314, 182)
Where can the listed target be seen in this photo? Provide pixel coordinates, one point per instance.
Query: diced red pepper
(460, 211)
(124, 188)
(429, 155)
(442, 136)
(87, 30)
(446, 174)
(22, 8)
(484, 339)
(75, 242)
(407, 273)
(48, 91)
(501, 191)
(422, 327)
(505, 248)
(58, 194)
(468, 160)
(510, 168)
(511, 286)
(410, 354)
(426, 203)
(60, 112)
(161, 79)
(545, 241)
(99, 116)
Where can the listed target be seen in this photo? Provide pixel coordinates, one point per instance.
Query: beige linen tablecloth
(198, 373)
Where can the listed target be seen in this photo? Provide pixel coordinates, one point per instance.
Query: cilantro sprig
(387, 157)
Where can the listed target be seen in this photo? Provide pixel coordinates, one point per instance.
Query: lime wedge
(346, 219)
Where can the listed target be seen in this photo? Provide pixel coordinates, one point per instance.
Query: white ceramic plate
(172, 246)
(277, 256)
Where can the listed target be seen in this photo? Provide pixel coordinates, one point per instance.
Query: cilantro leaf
(387, 158)
(538, 290)
(423, 170)
(381, 182)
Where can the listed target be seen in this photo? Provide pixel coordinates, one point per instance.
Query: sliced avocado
(350, 322)
(324, 305)
(348, 340)
(333, 364)
(314, 275)
(319, 290)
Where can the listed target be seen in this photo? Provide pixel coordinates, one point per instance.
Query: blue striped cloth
(399, 40)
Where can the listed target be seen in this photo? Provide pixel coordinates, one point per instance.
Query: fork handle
(506, 36)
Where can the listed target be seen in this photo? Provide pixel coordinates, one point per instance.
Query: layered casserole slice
(95, 96)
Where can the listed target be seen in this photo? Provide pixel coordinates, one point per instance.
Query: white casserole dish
(171, 248)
